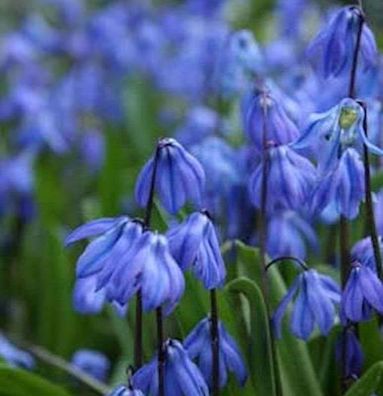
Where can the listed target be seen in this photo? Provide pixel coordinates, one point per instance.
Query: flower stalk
(214, 341)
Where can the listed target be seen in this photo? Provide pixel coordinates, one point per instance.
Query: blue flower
(294, 233)
(342, 187)
(331, 51)
(261, 111)
(353, 353)
(194, 244)
(123, 390)
(363, 252)
(182, 376)
(92, 362)
(86, 298)
(198, 346)
(179, 177)
(126, 259)
(15, 356)
(290, 179)
(363, 293)
(330, 133)
(316, 296)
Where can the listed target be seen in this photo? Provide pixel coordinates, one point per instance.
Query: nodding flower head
(290, 179)
(182, 376)
(363, 294)
(331, 51)
(126, 258)
(194, 244)
(316, 297)
(363, 252)
(263, 114)
(91, 362)
(198, 346)
(329, 134)
(179, 177)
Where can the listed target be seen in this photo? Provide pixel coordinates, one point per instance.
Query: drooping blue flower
(363, 252)
(343, 187)
(148, 267)
(353, 353)
(182, 376)
(289, 234)
(123, 390)
(363, 293)
(330, 133)
(331, 51)
(92, 362)
(316, 297)
(179, 177)
(198, 346)
(261, 112)
(194, 244)
(15, 356)
(86, 298)
(290, 179)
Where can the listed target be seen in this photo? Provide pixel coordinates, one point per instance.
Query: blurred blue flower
(198, 346)
(182, 376)
(86, 298)
(92, 362)
(261, 112)
(331, 51)
(343, 187)
(290, 180)
(329, 134)
(363, 293)
(92, 148)
(15, 356)
(179, 177)
(353, 353)
(123, 390)
(316, 297)
(294, 234)
(194, 244)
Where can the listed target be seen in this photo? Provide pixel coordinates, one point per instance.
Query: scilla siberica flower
(182, 376)
(92, 362)
(262, 112)
(331, 51)
(290, 179)
(179, 177)
(362, 294)
(123, 390)
(14, 356)
(316, 297)
(342, 187)
(125, 259)
(329, 134)
(198, 346)
(353, 353)
(194, 244)
(363, 252)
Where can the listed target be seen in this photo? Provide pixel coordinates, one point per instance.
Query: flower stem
(214, 341)
(138, 332)
(262, 226)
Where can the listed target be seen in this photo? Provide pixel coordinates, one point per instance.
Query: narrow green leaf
(369, 382)
(15, 382)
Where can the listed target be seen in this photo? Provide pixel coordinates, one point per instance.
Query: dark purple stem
(214, 341)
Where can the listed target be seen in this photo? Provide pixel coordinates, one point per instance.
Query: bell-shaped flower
(199, 348)
(353, 354)
(329, 134)
(181, 376)
(290, 179)
(14, 356)
(123, 390)
(263, 114)
(148, 267)
(92, 362)
(343, 187)
(179, 177)
(316, 297)
(331, 51)
(363, 252)
(194, 244)
(363, 293)
(294, 232)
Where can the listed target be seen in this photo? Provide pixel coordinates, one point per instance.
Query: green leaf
(15, 382)
(297, 374)
(259, 347)
(369, 382)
